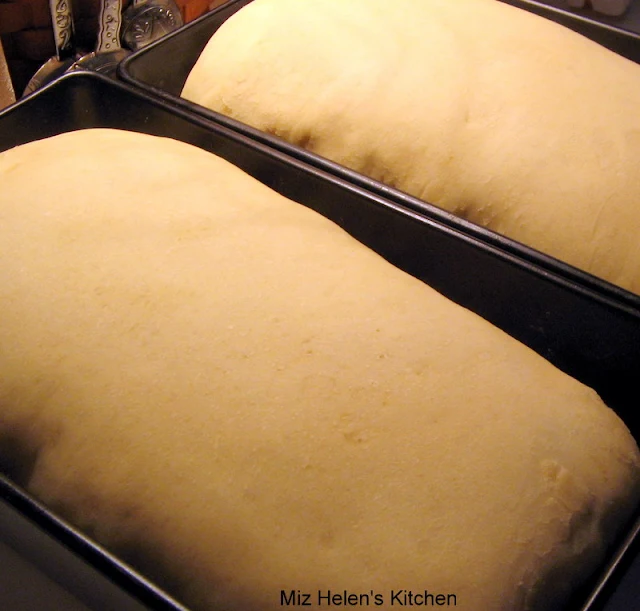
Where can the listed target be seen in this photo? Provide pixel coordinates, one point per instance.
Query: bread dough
(495, 114)
(230, 392)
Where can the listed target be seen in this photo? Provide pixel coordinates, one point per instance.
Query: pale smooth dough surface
(495, 114)
(233, 394)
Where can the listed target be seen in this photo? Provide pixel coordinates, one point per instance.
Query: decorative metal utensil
(64, 40)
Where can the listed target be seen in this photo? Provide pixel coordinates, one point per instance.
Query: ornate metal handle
(63, 31)
(147, 20)
(109, 29)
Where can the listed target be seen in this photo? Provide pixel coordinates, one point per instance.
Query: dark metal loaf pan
(162, 68)
(620, 34)
(592, 334)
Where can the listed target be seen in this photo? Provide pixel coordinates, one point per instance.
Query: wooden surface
(7, 94)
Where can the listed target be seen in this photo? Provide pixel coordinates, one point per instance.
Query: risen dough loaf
(231, 392)
(490, 112)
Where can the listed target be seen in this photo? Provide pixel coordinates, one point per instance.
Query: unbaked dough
(230, 392)
(495, 114)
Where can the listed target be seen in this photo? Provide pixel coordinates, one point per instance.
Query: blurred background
(26, 34)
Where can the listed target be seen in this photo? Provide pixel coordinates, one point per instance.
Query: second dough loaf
(495, 114)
